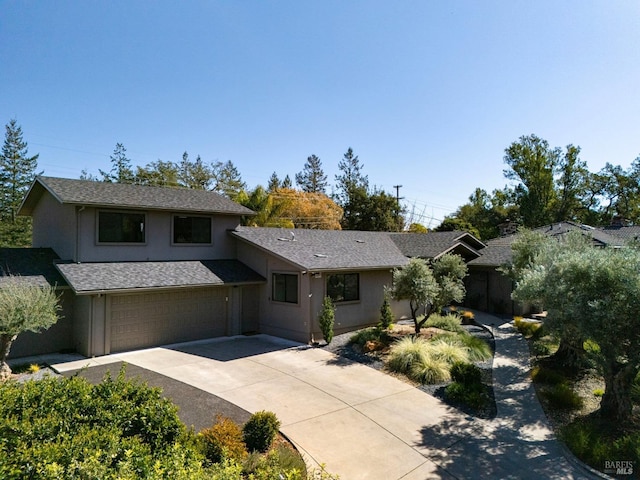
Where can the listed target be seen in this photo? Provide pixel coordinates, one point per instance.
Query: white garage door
(151, 319)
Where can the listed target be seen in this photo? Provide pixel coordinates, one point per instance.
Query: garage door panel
(145, 320)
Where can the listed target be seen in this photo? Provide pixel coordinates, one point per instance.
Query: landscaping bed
(376, 356)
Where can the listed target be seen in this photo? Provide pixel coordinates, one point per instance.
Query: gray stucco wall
(158, 245)
(54, 226)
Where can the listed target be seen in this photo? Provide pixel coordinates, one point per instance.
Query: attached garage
(124, 306)
(146, 320)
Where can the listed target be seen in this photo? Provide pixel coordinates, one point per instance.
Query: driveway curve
(361, 423)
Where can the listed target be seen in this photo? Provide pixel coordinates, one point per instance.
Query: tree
(326, 319)
(158, 174)
(121, 170)
(23, 308)
(17, 172)
(312, 179)
(350, 181)
(227, 180)
(306, 209)
(375, 212)
(532, 248)
(429, 288)
(597, 290)
(274, 183)
(286, 183)
(533, 163)
(269, 212)
(195, 175)
(572, 183)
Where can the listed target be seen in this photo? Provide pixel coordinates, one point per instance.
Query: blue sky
(427, 93)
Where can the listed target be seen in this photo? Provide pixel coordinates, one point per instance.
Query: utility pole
(398, 198)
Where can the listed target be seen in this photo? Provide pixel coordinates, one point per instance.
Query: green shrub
(373, 334)
(472, 395)
(386, 315)
(405, 352)
(585, 438)
(528, 328)
(477, 349)
(547, 376)
(449, 322)
(563, 397)
(67, 428)
(598, 392)
(223, 440)
(260, 431)
(466, 374)
(448, 352)
(429, 369)
(280, 462)
(326, 319)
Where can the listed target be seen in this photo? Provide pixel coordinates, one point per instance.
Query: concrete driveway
(358, 422)
(361, 423)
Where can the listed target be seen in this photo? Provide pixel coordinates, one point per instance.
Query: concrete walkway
(364, 424)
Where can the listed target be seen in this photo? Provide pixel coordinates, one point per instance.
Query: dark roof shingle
(326, 249)
(33, 265)
(87, 278)
(118, 195)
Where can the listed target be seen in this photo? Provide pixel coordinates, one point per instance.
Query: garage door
(151, 319)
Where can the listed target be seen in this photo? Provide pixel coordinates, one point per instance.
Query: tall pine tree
(17, 172)
(312, 179)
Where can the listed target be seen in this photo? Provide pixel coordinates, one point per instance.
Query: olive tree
(23, 308)
(429, 287)
(596, 291)
(534, 247)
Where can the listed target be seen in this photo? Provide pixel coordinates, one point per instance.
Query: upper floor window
(343, 287)
(121, 227)
(191, 229)
(285, 287)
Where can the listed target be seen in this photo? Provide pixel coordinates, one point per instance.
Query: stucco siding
(158, 240)
(356, 314)
(54, 226)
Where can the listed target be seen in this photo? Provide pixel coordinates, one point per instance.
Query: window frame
(122, 213)
(176, 216)
(345, 286)
(285, 275)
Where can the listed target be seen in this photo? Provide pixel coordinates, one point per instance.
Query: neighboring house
(489, 290)
(144, 266)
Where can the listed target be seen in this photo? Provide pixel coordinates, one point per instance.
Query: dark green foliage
(260, 431)
(466, 373)
(312, 179)
(563, 397)
(222, 440)
(592, 440)
(474, 396)
(386, 315)
(326, 319)
(17, 172)
(67, 428)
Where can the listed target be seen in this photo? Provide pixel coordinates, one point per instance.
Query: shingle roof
(33, 265)
(87, 278)
(318, 250)
(498, 250)
(117, 195)
(436, 244)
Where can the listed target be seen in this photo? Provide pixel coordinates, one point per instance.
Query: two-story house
(140, 266)
(144, 265)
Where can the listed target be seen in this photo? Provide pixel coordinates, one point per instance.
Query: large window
(191, 229)
(285, 287)
(343, 287)
(121, 227)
